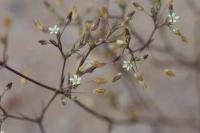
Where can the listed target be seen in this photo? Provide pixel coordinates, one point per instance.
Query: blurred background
(172, 103)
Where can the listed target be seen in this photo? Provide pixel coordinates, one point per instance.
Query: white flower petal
(127, 65)
(172, 17)
(54, 30)
(75, 79)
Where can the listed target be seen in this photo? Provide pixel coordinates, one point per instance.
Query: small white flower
(54, 30)
(75, 79)
(127, 65)
(175, 30)
(172, 17)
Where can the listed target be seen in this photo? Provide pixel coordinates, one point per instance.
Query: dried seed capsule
(100, 91)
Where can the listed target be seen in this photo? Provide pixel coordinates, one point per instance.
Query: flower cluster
(54, 30)
(75, 79)
(172, 17)
(127, 64)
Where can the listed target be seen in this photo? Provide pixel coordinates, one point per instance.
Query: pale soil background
(178, 97)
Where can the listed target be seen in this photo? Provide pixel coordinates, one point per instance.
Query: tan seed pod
(39, 25)
(169, 73)
(100, 80)
(138, 77)
(104, 12)
(99, 90)
(97, 64)
(184, 39)
(7, 22)
(138, 6)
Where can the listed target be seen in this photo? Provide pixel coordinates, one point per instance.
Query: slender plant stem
(62, 78)
(30, 79)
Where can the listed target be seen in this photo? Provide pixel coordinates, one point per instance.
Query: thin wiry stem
(30, 79)
(41, 128)
(62, 78)
(21, 118)
(47, 106)
(94, 113)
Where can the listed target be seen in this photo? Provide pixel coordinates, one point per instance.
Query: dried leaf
(169, 73)
(100, 90)
(100, 80)
(138, 6)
